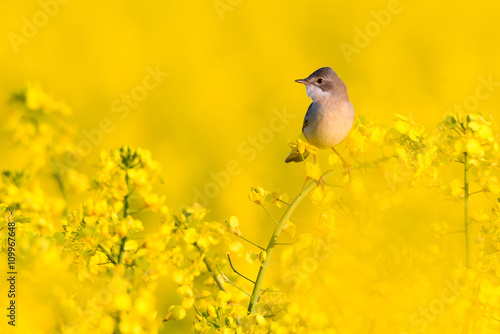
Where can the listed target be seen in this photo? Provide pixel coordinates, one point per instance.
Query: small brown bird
(329, 117)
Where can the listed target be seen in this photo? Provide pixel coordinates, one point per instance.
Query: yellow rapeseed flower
(313, 171)
(257, 195)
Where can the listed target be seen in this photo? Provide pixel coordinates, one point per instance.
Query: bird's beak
(303, 81)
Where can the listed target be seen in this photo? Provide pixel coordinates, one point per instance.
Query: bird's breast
(329, 123)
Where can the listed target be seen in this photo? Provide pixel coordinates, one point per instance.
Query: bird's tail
(295, 156)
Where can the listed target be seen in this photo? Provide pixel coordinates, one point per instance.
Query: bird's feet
(321, 182)
(347, 167)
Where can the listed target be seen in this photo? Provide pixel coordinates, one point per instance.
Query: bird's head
(323, 84)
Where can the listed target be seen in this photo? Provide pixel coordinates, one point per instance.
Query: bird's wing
(307, 116)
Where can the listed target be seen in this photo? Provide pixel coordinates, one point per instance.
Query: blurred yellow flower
(175, 312)
(236, 247)
(402, 127)
(131, 246)
(260, 319)
(377, 135)
(316, 194)
(107, 324)
(122, 301)
(456, 188)
(234, 225)
(473, 147)
(257, 195)
(402, 154)
(144, 304)
(313, 171)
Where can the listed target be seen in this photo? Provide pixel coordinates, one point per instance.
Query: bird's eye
(320, 81)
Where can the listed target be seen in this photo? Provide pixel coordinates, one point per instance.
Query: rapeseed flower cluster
(368, 256)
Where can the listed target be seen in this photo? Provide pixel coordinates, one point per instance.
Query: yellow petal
(122, 301)
(313, 171)
(176, 312)
(191, 235)
(473, 146)
(256, 195)
(233, 221)
(316, 194)
(402, 127)
(402, 154)
(260, 319)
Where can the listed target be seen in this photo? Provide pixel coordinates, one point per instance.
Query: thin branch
(231, 264)
(122, 250)
(304, 185)
(280, 200)
(476, 192)
(127, 196)
(464, 130)
(250, 242)
(125, 214)
(333, 185)
(466, 208)
(231, 283)
(460, 134)
(306, 225)
(269, 290)
(214, 275)
(263, 207)
(108, 255)
(474, 222)
(199, 313)
(314, 204)
(237, 287)
(273, 314)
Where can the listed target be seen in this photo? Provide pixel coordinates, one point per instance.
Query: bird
(329, 117)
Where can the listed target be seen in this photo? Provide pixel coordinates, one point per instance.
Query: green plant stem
(125, 214)
(270, 216)
(60, 182)
(122, 250)
(108, 254)
(250, 242)
(126, 197)
(274, 239)
(466, 208)
(232, 267)
(214, 275)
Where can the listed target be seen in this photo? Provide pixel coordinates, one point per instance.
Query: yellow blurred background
(224, 101)
(230, 66)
